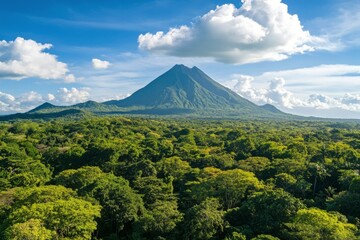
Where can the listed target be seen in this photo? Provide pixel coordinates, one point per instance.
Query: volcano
(179, 91)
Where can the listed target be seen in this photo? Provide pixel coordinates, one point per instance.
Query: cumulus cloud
(6, 101)
(23, 58)
(277, 94)
(50, 97)
(30, 100)
(260, 30)
(6, 98)
(24, 102)
(73, 95)
(99, 64)
(349, 102)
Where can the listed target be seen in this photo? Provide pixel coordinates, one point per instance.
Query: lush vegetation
(132, 178)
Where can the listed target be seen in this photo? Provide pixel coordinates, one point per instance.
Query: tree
(173, 166)
(120, 204)
(161, 219)
(346, 177)
(204, 221)
(72, 218)
(231, 187)
(271, 150)
(285, 181)
(320, 173)
(316, 224)
(79, 179)
(267, 211)
(47, 210)
(265, 237)
(254, 164)
(33, 229)
(24, 172)
(153, 189)
(242, 147)
(348, 202)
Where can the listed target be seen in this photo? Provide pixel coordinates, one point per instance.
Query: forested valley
(135, 178)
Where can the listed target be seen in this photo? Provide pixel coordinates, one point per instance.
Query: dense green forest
(134, 178)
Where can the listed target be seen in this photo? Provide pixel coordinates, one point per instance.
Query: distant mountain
(179, 91)
(43, 107)
(68, 113)
(183, 87)
(191, 89)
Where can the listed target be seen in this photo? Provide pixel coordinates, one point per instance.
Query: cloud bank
(99, 64)
(277, 94)
(23, 58)
(260, 30)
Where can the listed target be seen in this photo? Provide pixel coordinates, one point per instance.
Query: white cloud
(6, 98)
(276, 93)
(260, 30)
(244, 87)
(99, 64)
(24, 102)
(70, 78)
(31, 97)
(349, 102)
(30, 100)
(23, 58)
(73, 95)
(50, 97)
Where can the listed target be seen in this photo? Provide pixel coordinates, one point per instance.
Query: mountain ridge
(179, 91)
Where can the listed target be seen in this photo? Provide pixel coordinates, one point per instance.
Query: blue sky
(301, 56)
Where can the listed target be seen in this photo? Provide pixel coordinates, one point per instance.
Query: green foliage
(355, 185)
(265, 237)
(242, 147)
(153, 189)
(254, 164)
(266, 211)
(346, 202)
(33, 229)
(49, 212)
(134, 178)
(174, 167)
(71, 218)
(231, 187)
(161, 219)
(79, 179)
(120, 204)
(204, 221)
(318, 224)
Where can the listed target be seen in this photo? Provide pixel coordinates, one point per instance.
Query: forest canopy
(134, 178)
